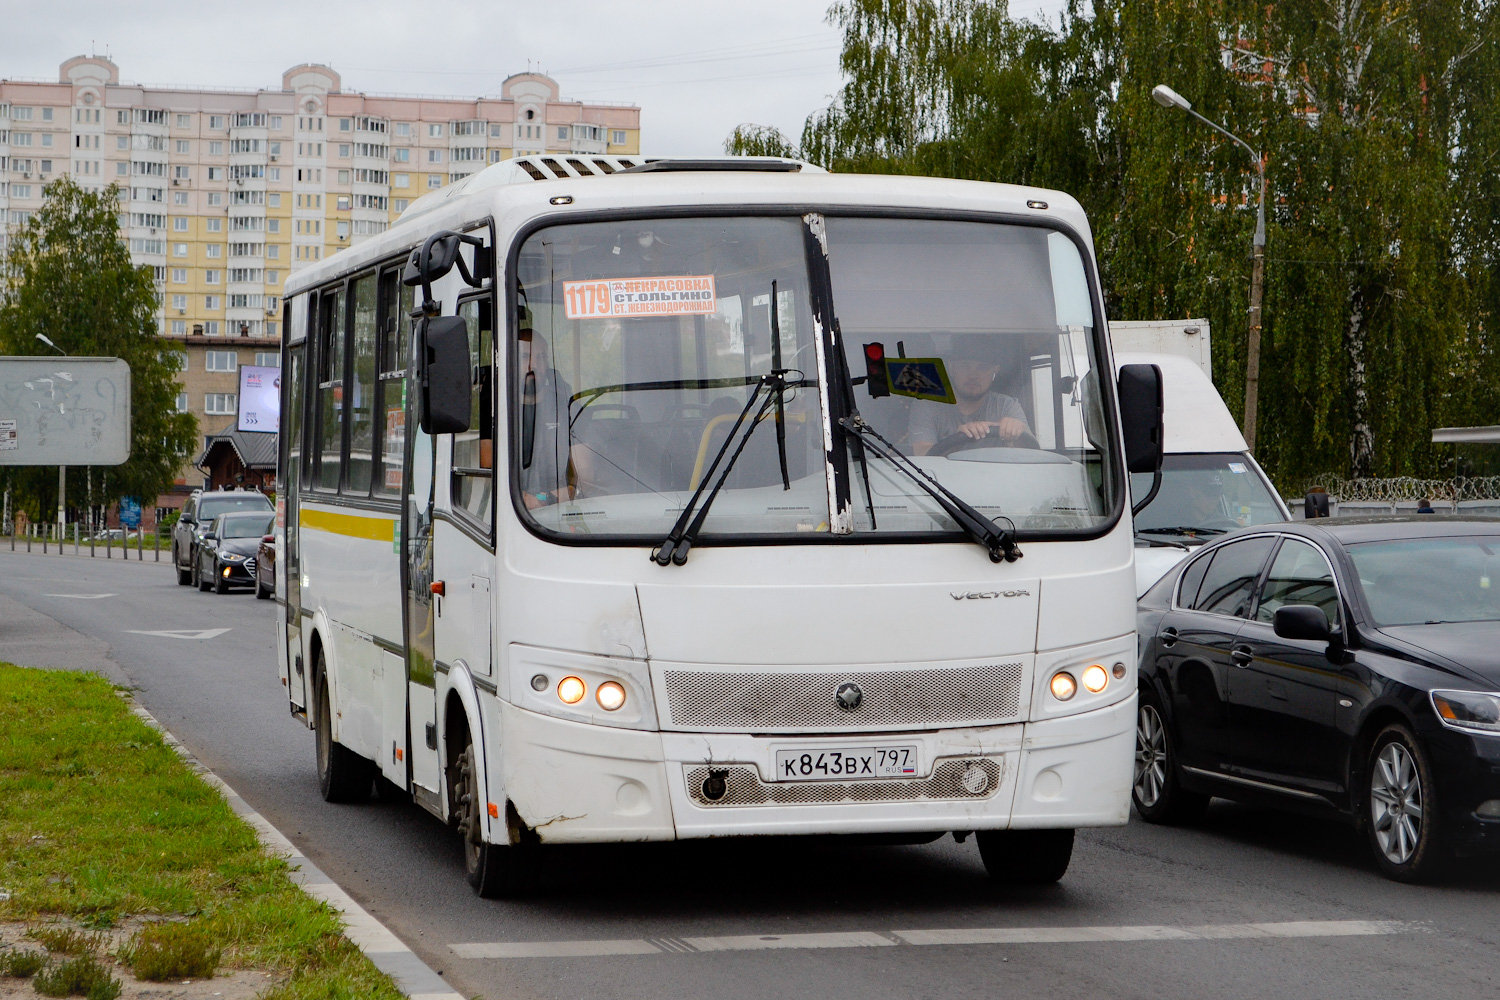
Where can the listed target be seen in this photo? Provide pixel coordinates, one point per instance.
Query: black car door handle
(1168, 636)
(1241, 656)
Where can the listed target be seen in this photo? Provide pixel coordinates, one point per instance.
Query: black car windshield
(1417, 581)
(211, 507)
(1203, 496)
(244, 525)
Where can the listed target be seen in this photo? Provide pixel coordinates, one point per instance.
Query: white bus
(625, 501)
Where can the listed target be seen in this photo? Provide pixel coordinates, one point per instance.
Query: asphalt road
(1248, 904)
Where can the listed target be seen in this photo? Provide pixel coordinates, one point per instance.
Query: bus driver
(978, 410)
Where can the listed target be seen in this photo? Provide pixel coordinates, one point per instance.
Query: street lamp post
(62, 470)
(1169, 98)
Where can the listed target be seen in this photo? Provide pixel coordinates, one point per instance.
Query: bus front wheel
(494, 870)
(1025, 857)
(343, 775)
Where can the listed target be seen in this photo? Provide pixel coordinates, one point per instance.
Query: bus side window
(330, 434)
(361, 400)
(390, 432)
(474, 449)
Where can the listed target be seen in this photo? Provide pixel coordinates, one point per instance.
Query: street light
(62, 470)
(1169, 98)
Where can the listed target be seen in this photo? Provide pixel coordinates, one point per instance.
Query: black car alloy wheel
(1157, 790)
(1401, 815)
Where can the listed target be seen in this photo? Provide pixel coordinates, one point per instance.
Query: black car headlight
(1468, 711)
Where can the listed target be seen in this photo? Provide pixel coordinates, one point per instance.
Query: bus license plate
(846, 764)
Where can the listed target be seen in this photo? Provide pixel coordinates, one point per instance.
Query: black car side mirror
(1302, 621)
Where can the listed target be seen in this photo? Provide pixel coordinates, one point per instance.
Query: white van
(1209, 485)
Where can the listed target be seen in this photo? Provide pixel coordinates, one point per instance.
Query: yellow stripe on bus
(377, 529)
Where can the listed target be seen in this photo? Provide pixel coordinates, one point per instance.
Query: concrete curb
(412, 976)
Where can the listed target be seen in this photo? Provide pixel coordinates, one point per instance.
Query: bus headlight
(1095, 678)
(570, 690)
(599, 690)
(1063, 685)
(610, 696)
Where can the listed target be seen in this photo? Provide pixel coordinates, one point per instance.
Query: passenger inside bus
(980, 410)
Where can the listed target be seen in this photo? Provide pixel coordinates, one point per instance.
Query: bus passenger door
(420, 617)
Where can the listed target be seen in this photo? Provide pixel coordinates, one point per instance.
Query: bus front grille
(745, 701)
(952, 778)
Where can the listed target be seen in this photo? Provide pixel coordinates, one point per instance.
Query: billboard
(64, 411)
(260, 399)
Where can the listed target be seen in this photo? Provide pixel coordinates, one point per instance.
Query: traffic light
(875, 376)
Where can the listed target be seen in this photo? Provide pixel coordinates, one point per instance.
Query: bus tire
(343, 775)
(1025, 857)
(493, 870)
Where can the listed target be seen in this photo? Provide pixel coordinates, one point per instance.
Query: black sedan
(1347, 666)
(226, 555)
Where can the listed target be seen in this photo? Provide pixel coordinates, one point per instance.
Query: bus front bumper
(577, 783)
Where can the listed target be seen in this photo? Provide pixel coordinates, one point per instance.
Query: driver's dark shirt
(932, 421)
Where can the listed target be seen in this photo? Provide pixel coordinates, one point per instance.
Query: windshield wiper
(674, 548)
(998, 542)
(1163, 543)
(1184, 530)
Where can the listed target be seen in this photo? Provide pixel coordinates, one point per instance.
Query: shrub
(168, 951)
(64, 940)
(77, 977)
(21, 964)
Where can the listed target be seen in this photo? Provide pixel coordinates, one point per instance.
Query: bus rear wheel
(493, 870)
(343, 775)
(1025, 857)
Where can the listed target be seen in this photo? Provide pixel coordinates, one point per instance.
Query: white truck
(1210, 483)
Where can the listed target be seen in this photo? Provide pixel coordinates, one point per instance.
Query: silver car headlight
(1468, 711)
(231, 557)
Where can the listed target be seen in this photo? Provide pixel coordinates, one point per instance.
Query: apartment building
(225, 192)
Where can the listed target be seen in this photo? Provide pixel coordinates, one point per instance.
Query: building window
(215, 149)
(494, 130)
(273, 277)
(401, 180)
(271, 328)
(122, 169)
(273, 226)
(343, 177)
(403, 129)
(179, 302)
(345, 124)
(273, 251)
(211, 277)
(211, 302)
(403, 156)
(179, 249)
(274, 200)
(220, 361)
(219, 403)
(216, 197)
(434, 156)
(619, 137)
(344, 150)
(276, 121)
(211, 327)
(215, 121)
(399, 204)
(273, 173)
(216, 173)
(435, 130)
(181, 396)
(214, 249)
(183, 146)
(342, 203)
(180, 224)
(179, 328)
(267, 359)
(179, 197)
(179, 275)
(184, 121)
(434, 180)
(213, 225)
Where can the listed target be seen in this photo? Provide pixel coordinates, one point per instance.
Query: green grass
(100, 820)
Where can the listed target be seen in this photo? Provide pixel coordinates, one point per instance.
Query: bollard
(139, 534)
(107, 540)
(156, 537)
(28, 538)
(92, 536)
(46, 537)
(75, 538)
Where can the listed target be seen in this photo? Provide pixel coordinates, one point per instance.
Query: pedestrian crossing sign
(919, 378)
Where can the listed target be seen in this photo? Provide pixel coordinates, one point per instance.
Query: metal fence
(48, 538)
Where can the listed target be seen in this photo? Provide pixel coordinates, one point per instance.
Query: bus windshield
(638, 345)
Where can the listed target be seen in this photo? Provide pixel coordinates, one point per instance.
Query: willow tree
(68, 275)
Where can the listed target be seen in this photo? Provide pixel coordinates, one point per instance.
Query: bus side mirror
(444, 379)
(1141, 417)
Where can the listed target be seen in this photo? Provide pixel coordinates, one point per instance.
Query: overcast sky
(696, 68)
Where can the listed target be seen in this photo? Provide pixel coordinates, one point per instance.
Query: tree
(68, 275)
(1380, 121)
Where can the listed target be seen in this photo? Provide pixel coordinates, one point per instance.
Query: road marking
(953, 936)
(81, 597)
(207, 633)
